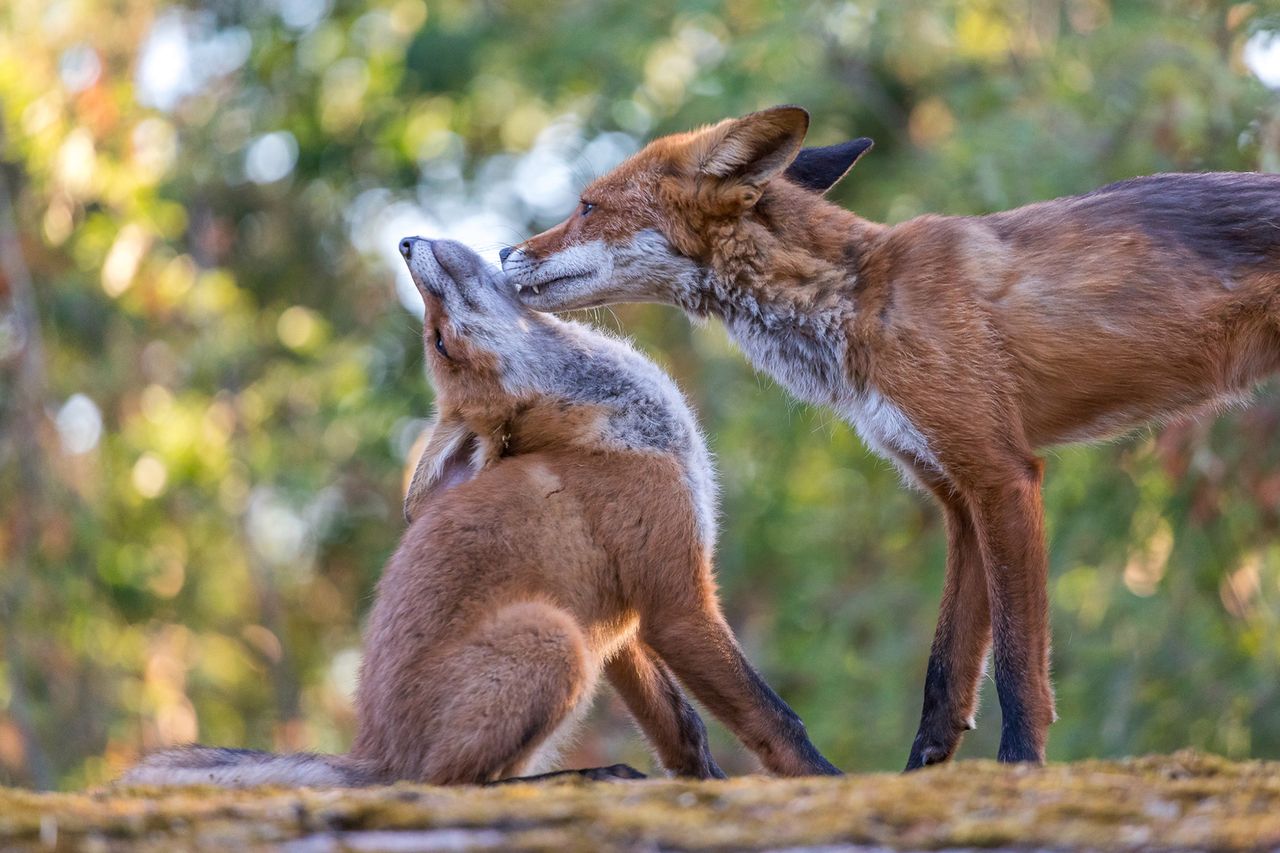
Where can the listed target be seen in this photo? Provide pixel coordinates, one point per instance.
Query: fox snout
(458, 284)
(445, 267)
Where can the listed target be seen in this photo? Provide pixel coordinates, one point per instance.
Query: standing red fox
(562, 519)
(957, 346)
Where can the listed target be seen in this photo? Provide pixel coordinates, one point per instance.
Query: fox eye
(587, 207)
(440, 345)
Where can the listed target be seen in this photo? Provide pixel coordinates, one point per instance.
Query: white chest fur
(811, 367)
(887, 430)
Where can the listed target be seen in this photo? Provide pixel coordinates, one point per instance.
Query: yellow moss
(1184, 800)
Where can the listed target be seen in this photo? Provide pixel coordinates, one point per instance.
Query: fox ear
(446, 461)
(820, 169)
(756, 147)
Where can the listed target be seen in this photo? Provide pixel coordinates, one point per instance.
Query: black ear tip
(819, 169)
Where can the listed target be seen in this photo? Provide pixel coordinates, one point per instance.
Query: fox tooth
(535, 289)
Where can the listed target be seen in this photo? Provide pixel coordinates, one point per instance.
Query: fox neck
(787, 295)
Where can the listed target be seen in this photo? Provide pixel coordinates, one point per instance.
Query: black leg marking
(790, 727)
(693, 735)
(939, 734)
(1016, 741)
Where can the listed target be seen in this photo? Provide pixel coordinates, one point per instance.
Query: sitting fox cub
(562, 520)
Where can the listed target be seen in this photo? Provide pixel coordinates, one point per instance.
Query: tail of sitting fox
(245, 768)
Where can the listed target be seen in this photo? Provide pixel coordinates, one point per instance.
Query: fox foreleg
(671, 724)
(960, 643)
(703, 654)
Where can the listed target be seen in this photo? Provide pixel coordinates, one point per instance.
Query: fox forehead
(631, 197)
(625, 201)
(656, 189)
(678, 156)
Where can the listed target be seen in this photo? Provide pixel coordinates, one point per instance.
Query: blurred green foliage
(209, 386)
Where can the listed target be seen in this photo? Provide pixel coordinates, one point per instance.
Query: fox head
(481, 346)
(684, 208)
(470, 317)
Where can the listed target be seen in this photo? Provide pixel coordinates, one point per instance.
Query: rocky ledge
(1186, 800)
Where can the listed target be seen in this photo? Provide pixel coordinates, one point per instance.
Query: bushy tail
(245, 768)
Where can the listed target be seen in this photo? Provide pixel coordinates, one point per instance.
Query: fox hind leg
(668, 720)
(518, 679)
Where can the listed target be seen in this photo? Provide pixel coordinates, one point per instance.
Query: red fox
(957, 346)
(562, 522)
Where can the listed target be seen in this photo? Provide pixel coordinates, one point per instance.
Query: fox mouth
(537, 286)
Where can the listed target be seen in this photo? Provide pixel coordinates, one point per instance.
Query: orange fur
(957, 345)
(556, 535)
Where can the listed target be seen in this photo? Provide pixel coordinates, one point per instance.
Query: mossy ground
(1187, 800)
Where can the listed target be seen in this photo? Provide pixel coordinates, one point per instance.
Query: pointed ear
(446, 461)
(755, 147)
(820, 169)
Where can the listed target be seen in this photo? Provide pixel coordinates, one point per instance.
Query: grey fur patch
(645, 410)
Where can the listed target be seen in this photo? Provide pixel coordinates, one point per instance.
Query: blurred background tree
(211, 377)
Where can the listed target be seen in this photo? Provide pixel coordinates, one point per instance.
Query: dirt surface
(1186, 800)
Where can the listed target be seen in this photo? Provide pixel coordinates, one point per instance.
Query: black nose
(406, 247)
(503, 254)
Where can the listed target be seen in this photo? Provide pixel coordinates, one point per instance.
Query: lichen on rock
(1186, 800)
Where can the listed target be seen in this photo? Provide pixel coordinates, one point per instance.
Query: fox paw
(612, 773)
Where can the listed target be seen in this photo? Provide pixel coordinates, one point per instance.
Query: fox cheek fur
(957, 346)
